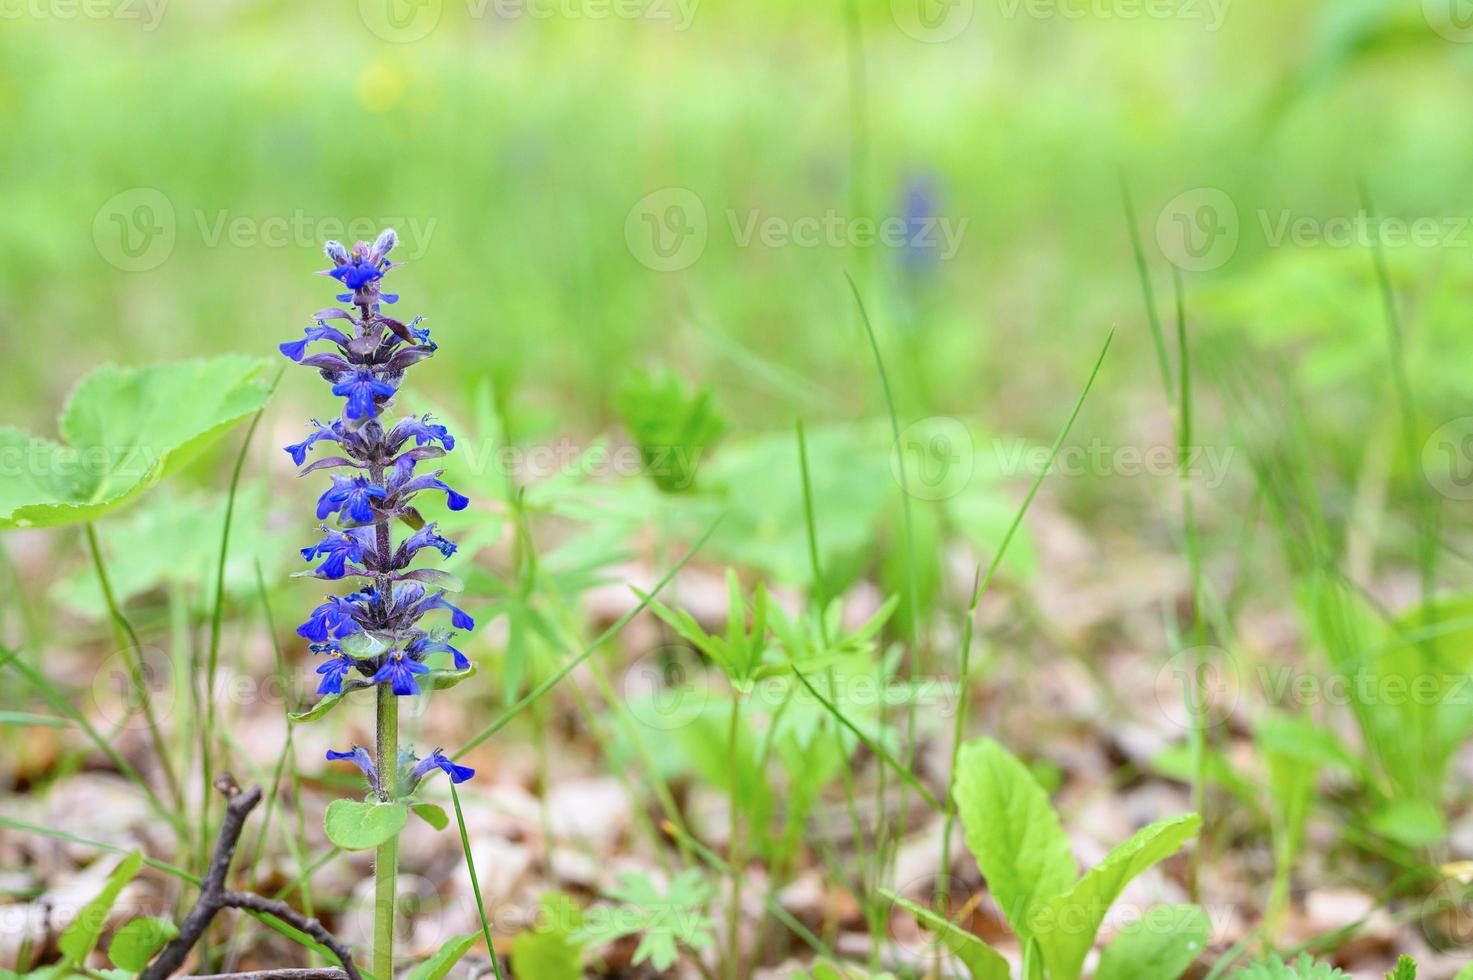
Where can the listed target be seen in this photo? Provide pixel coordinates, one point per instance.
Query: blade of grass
(1158, 337)
(470, 865)
(889, 849)
(132, 651)
(980, 586)
(588, 651)
(213, 660)
(871, 744)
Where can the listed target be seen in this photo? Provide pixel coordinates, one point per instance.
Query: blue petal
(294, 349)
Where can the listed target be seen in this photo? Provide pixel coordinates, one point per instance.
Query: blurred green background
(170, 170)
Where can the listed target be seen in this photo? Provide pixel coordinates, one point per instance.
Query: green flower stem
(386, 860)
(734, 856)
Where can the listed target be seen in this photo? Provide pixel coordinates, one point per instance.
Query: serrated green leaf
(431, 814)
(317, 710)
(664, 920)
(139, 941)
(1406, 969)
(125, 429)
(1159, 946)
(82, 935)
(356, 826)
(445, 957)
(1067, 926)
(1304, 968)
(1013, 832)
(548, 951)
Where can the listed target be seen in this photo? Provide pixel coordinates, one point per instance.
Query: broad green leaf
(1013, 832)
(1415, 823)
(444, 959)
(124, 430)
(356, 826)
(1159, 946)
(319, 709)
(548, 951)
(431, 814)
(82, 935)
(138, 942)
(981, 960)
(1066, 928)
(436, 578)
(171, 538)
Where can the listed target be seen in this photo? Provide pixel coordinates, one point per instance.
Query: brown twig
(214, 897)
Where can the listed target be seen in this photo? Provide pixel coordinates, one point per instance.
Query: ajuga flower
(363, 359)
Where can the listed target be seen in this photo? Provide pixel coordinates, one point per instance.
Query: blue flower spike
(363, 355)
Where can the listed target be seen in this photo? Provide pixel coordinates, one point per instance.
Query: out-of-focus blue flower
(353, 496)
(438, 760)
(338, 548)
(361, 390)
(360, 758)
(398, 672)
